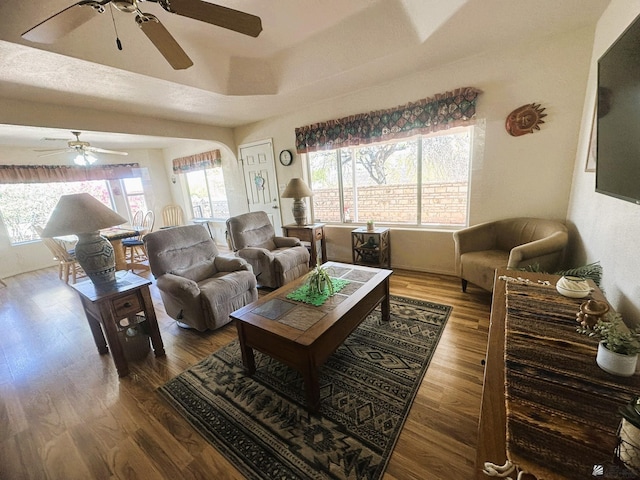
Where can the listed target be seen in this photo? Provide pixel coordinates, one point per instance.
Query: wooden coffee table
(304, 336)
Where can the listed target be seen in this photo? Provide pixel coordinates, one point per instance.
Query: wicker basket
(135, 341)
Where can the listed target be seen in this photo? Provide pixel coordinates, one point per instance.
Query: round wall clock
(286, 158)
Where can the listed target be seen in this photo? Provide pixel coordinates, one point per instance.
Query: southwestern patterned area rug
(367, 386)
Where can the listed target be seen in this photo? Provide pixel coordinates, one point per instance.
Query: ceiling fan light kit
(84, 159)
(63, 22)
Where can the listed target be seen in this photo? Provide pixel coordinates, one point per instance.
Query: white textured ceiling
(308, 51)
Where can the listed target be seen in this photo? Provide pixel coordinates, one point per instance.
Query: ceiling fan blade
(58, 25)
(163, 41)
(224, 17)
(54, 152)
(102, 150)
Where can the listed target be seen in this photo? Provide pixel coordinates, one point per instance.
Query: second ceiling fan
(63, 22)
(83, 150)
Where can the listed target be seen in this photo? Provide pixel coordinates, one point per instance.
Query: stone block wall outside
(442, 204)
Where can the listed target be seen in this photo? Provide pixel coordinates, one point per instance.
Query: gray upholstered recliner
(198, 287)
(511, 243)
(275, 260)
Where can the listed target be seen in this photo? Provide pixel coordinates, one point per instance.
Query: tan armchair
(275, 260)
(512, 243)
(198, 287)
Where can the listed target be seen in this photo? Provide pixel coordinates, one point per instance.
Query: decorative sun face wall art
(525, 119)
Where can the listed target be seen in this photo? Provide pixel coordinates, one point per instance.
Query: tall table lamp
(83, 215)
(298, 190)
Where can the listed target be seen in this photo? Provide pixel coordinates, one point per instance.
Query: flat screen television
(618, 118)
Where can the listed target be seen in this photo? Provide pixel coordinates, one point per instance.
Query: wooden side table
(371, 247)
(311, 234)
(116, 309)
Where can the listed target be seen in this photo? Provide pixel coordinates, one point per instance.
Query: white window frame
(420, 162)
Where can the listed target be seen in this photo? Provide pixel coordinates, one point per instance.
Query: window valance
(443, 111)
(66, 173)
(199, 161)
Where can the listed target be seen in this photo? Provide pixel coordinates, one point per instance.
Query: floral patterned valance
(443, 111)
(198, 161)
(66, 173)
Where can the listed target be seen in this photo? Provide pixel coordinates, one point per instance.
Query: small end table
(115, 309)
(311, 233)
(371, 247)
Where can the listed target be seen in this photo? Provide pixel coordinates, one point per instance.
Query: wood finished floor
(65, 414)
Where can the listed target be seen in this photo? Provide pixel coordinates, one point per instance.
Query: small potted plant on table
(618, 348)
(319, 281)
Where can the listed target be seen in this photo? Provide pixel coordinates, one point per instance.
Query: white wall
(606, 229)
(516, 176)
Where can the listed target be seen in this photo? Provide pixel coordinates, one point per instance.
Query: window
(419, 181)
(207, 193)
(23, 205)
(134, 194)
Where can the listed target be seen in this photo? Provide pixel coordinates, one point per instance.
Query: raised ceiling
(308, 51)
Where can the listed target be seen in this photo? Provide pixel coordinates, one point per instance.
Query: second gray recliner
(276, 260)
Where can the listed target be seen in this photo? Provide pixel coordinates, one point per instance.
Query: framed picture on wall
(593, 144)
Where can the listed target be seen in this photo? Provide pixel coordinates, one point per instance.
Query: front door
(260, 180)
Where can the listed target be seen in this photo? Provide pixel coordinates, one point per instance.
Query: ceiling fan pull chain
(115, 28)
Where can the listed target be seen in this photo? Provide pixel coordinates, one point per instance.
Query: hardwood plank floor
(65, 414)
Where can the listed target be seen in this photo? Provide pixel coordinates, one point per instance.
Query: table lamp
(83, 215)
(298, 190)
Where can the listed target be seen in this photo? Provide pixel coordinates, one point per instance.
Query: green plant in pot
(619, 346)
(319, 281)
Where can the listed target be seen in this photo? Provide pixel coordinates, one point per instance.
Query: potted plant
(618, 348)
(319, 281)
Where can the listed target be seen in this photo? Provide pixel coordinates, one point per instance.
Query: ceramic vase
(616, 363)
(96, 257)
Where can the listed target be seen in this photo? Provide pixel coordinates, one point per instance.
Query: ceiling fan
(83, 150)
(63, 22)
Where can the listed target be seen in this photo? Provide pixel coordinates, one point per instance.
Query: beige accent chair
(172, 216)
(199, 287)
(276, 261)
(513, 243)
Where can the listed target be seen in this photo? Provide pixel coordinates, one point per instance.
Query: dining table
(115, 235)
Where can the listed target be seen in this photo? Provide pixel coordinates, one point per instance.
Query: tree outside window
(417, 181)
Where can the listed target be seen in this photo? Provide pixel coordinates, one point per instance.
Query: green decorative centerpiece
(318, 287)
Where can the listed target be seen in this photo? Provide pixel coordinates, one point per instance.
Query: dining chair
(134, 249)
(67, 263)
(172, 216)
(137, 219)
